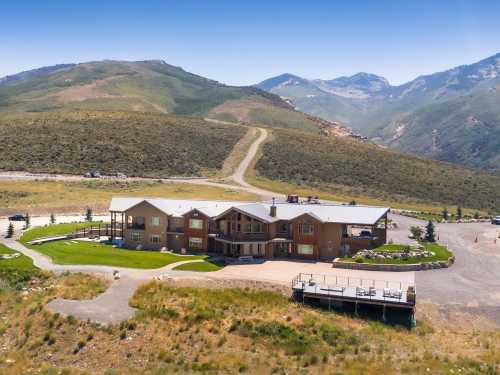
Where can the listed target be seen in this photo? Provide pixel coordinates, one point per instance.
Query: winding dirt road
(471, 284)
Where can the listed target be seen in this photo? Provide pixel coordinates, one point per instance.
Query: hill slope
(394, 115)
(136, 144)
(348, 166)
(149, 86)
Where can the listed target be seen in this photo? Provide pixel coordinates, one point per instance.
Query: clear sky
(244, 42)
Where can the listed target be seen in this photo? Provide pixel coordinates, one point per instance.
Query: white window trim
(195, 227)
(155, 236)
(301, 246)
(135, 236)
(153, 221)
(198, 241)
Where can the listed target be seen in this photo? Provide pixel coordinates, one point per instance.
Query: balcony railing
(243, 237)
(175, 229)
(136, 226)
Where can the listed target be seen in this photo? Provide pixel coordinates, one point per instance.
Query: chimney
(273, 210)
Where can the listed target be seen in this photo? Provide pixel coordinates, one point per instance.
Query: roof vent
(273, 209)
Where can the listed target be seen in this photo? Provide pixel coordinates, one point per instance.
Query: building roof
(324, 212)
(173, 207)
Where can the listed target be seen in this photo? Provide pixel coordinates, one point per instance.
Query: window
(306, 228)
(248, 228)
(257, 227)
(196, 223)
(195, 243)
(259, 249)
(305, 249)
(283, 228)
(135, 236)
(155, 221)
(155, 239)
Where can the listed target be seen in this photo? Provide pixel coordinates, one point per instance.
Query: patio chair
(397, 293)
(360, 291)
(372, 291)
(387, 292)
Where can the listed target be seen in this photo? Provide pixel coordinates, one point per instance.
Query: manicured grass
(205, 266)
(440, 251)
(93, 253)
(20, 263)
(86, 252)
(55, 230)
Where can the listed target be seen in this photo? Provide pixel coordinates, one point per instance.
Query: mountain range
(149, 86)
(109, 115)
(452, 116)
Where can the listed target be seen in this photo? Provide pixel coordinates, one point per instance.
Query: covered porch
(356, 237)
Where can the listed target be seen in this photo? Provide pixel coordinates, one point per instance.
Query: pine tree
(52, 218)
(430, 235)
(10, 230)
(445, 213)
(88, 214)
(27, 221)
(459, 213)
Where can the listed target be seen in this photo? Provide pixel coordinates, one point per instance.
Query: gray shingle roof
(325, 212)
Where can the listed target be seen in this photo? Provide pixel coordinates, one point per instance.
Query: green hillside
(144, 86)
(136, 144)
(465, 130)
(348, 166)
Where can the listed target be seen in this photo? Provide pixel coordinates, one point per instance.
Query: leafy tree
(459, 212)
(10, 231)
(416, 232)
(430, 233)
(52, 218)
(445, 214)
(88, 214)
(27, 221)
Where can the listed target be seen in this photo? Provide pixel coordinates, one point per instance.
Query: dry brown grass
(42, 197)
(79, 286)
(187, 329)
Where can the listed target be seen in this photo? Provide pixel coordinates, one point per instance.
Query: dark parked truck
(17, 217)
(496, 220)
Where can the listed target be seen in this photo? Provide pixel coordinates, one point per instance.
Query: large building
(308, 230)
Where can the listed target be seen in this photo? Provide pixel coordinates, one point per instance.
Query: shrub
(358, 259)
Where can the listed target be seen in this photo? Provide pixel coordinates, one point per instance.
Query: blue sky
(244, 42)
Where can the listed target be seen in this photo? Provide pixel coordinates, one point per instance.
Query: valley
(451, 116)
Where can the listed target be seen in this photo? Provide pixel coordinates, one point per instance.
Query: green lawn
(55, 230)
(16, 273)
(205, 266)
(86, 252)
(21, 263)
(441, 254)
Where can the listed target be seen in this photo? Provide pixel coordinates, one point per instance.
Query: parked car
(496, 220)
(365, 233)
(93, 174)
(121, 176)
(17, 217)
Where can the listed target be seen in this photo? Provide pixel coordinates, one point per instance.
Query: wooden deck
(334, 291)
